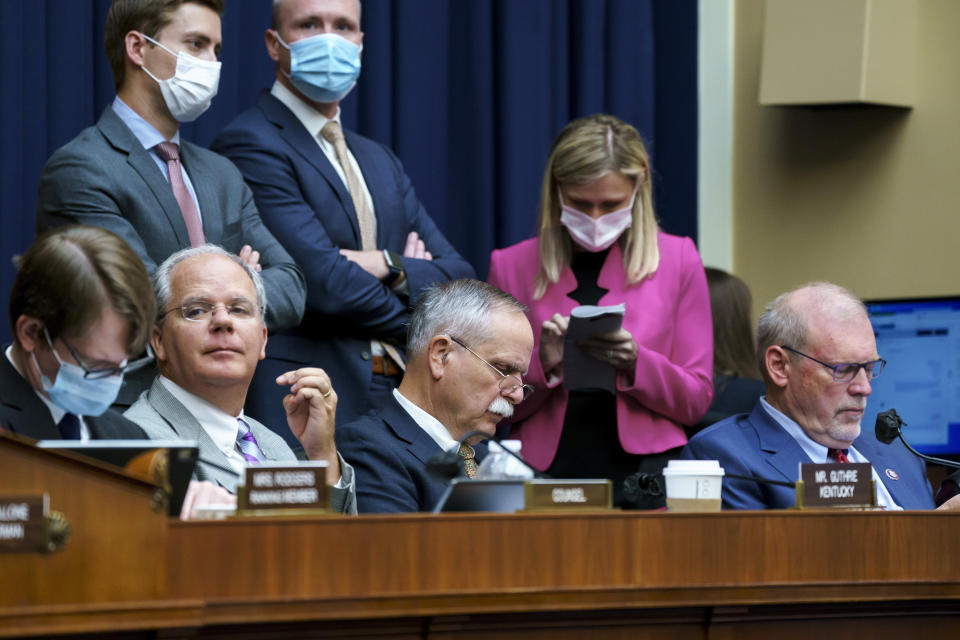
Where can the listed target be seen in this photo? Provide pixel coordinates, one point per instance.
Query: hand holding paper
(595, 346)
(616, 347)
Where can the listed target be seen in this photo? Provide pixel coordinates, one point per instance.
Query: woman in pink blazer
(599, 244)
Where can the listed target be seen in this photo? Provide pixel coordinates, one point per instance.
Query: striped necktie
(248, 444)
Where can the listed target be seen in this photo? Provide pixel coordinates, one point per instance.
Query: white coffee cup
(693, 485)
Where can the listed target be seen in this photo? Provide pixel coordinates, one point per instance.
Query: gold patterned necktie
(333, 134)
(469, 463)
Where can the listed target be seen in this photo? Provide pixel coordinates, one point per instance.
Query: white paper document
(580, 371)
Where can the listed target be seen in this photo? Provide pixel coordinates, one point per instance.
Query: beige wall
(862, 196)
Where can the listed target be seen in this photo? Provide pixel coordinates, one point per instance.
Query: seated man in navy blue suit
(468, 345)
(81, 309)
(342, 206)
(817, 354)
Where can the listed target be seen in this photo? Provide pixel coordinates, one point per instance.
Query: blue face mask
(74, 393)
(324, 67)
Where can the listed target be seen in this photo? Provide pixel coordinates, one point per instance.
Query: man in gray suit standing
(133, 175)
(210, 335)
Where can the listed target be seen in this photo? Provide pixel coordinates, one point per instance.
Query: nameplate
(23, 524)
(284, 489)
(848, 484)
(567, 495)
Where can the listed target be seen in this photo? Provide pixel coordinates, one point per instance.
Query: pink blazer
(668, 315)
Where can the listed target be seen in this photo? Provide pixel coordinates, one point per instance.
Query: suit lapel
(189, 428)
(24, 412)
(884, 461)
(419, 443)
(118, 135)
(778, 447)
(302, 141)
(558, 296)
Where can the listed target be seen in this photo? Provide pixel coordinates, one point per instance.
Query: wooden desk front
(630, 575)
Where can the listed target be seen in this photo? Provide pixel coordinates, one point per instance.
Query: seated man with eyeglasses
(468, 344)
(817, 354)
(79, 310)
(208, 338)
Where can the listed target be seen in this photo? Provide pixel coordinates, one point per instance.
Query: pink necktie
(170, 154)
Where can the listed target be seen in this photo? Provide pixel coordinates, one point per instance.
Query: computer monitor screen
(920, 340)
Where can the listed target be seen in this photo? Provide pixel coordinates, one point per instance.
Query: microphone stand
(889, 425)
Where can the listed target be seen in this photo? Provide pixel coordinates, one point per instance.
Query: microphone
(643, 487)
(889, 426)
(447, 465)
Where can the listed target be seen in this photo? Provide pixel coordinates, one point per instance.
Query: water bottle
(500, 465)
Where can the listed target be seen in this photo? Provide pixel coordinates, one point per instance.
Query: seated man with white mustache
(468, 345)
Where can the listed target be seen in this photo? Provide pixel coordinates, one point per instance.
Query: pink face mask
(596, 235)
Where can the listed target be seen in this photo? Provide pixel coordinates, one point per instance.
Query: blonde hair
(585, 150)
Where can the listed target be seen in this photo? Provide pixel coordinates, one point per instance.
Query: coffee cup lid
(693, 467)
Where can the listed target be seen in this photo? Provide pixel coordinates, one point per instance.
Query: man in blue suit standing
(817, 355)
(342, 206)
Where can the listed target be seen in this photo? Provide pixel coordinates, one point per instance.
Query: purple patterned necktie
(248, 444)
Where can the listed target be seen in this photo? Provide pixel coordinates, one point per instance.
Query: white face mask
(191, 89)
(596, 235)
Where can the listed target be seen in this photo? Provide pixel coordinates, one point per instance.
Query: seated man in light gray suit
(210, 335)
(133, 174)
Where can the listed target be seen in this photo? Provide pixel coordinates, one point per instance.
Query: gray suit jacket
(105, 178)
(162, 416)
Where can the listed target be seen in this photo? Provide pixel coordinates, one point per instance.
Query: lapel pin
(893, 475)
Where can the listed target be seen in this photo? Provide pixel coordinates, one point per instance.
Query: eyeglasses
(846, 371)
(98, 374)
(508, 383)
(201, 311)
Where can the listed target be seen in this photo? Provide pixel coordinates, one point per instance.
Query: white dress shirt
(818, 453)
(428, 423)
